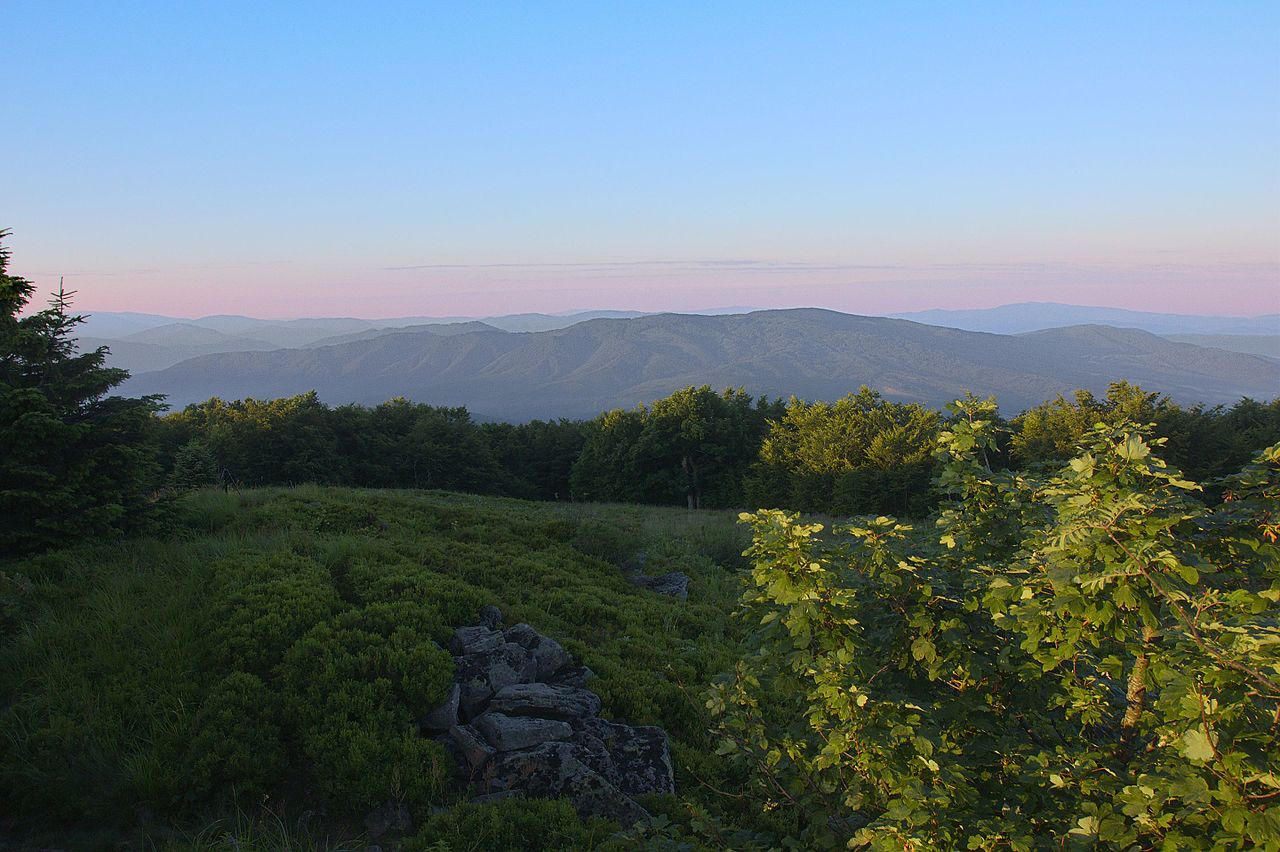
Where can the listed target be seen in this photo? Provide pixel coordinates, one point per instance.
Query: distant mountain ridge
(599, 364)
(1037, 316)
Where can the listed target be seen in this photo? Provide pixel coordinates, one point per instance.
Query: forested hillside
(813, 354)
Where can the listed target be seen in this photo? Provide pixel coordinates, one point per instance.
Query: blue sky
(418, 158)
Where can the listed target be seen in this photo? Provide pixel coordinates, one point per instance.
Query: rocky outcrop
(522, 723)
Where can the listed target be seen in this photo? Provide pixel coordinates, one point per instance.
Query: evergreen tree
(76, 461)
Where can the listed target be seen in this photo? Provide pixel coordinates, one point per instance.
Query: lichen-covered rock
(546, 701)
(534, 729)
(640, 754)
(508, 733)
(561, 769)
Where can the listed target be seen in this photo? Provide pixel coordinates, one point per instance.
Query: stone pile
(523, 724)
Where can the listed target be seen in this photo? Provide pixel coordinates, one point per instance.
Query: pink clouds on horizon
(283, 290)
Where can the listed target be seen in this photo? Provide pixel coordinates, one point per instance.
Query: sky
(388, 159)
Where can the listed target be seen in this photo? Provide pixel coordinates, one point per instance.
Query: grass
(117, 650)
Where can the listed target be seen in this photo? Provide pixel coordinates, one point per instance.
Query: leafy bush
(1094, 655)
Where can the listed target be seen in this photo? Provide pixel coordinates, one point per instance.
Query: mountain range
(598, 364)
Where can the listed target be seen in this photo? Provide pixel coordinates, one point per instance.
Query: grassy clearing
(274, 646)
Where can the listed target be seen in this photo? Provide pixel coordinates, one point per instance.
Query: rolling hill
(816, 354)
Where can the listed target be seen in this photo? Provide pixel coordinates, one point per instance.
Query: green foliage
(1093, 655)
(236, 743)
(690, 448)
(511, 825)
(859, 455)
(194, 466)
(171, 675)
(76, 461)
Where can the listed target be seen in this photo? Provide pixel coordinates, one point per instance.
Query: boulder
(675, 584)
(481, 674)
(549, 656)
(545, 700)
(474, 750)
(445, 716)
(509, 733)
(491, 617)
(561, 769)
(640, 755)
(474, 640)
(572, 676)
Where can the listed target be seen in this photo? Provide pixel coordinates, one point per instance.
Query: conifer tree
(76, 461)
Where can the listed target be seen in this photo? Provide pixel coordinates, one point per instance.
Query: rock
(491, 617)
(474, 640)
(640, 755)
(482, 674)
(675, 584)
(572, 676)
(474, 750)
(561, 769)
(548, 654)
(508, 733)
(387, 818)
(545, 700)
(445, 716)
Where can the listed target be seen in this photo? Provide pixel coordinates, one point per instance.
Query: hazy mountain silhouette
(816, 354)
(1037, 316)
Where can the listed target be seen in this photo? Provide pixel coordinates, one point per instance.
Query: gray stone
(675, 584)
(545, 700)
(387, 818)
(548, 654)
(482, 674)
(508, 733)
(572, 676)
(445, 716)
(474, 750)
(640, 755)
(474, 640)
(560, 769)
(491, 617)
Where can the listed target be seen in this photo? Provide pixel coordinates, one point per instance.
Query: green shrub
(236, 742)
(452, 601)
(355, 687)
(262, 606)
(511, 825)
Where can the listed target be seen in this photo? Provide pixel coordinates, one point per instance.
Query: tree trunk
(1136, 694)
